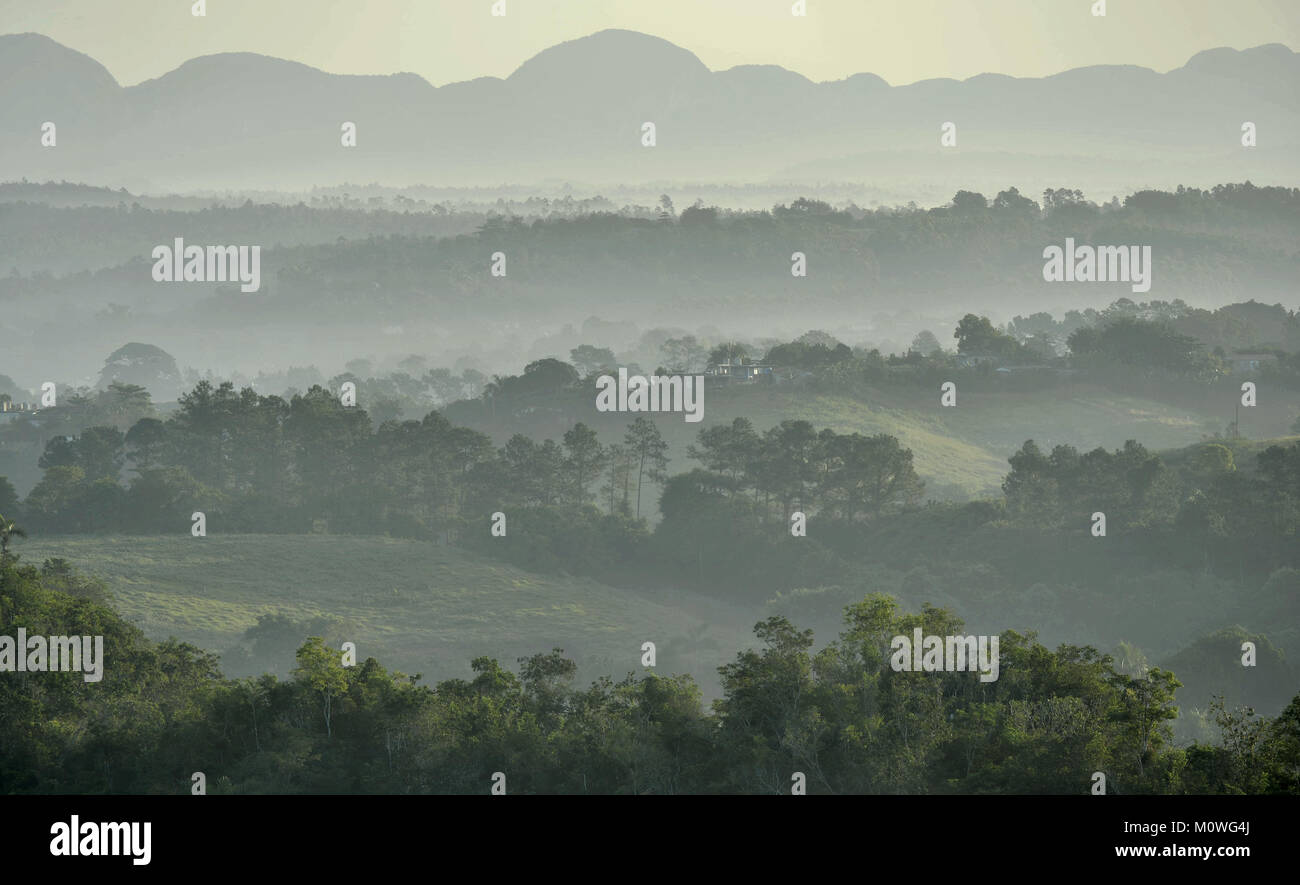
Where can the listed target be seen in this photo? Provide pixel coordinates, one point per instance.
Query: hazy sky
(450, 40)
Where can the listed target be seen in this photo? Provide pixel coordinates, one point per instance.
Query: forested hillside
(841, 715)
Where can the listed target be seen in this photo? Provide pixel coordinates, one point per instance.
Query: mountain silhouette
(575, 112)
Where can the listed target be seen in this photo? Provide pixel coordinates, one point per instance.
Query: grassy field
(415, 606)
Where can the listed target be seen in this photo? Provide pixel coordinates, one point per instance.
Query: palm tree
(8, 530)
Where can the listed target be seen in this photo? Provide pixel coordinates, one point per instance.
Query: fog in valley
(295, 359)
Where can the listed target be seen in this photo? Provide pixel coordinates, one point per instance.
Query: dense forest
(841, 717)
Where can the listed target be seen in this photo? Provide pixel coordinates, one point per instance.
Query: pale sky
(451, 40)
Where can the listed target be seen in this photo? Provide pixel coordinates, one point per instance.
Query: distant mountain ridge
(575, 112)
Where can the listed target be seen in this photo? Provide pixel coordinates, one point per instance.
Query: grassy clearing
(415, 606)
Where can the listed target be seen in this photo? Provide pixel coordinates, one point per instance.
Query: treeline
(1207, 241)
(43, 239)
(1145, 347)
(1050, 721)
(1125, 345)
(256, 463)
(307, 458)
(268, 464)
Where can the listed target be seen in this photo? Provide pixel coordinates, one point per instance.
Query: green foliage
(840, 714)
(1212, 667)
(589, 360)
(321, 670)
(9, 529)
(729, 351)
(805, 355)
(1142, 345)
(977, 336)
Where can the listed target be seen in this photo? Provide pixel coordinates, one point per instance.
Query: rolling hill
(415, 606)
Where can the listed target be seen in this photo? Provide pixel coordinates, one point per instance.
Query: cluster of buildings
(10, 410)
(1249, 362)
(741, 371)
